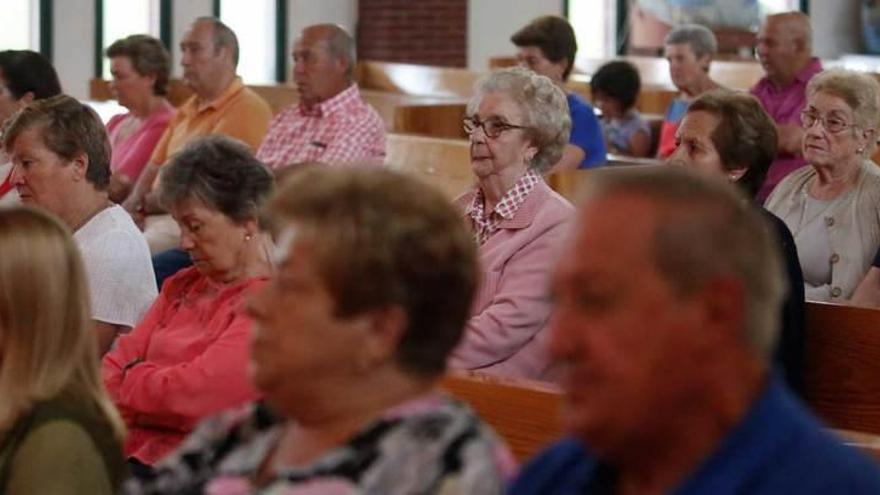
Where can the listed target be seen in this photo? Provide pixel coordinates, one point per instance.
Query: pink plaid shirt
(343, 129)
(486, 225)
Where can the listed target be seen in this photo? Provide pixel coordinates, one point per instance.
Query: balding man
(785, 49)
(331, 124)
(221, 105)
(667, 314)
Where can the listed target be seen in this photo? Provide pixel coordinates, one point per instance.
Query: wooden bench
(444, 163)
(524, 413)
(842, 365)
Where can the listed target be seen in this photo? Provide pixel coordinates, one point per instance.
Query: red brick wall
(431, 32)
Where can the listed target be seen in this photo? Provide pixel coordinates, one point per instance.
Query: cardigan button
(834, 258)
(829, 221)
(836, 292)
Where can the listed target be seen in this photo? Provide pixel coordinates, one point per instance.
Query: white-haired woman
(518, 124)
(59, 431)
(831, 205)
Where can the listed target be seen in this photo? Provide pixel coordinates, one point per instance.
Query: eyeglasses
(492, 127)
(831, 124)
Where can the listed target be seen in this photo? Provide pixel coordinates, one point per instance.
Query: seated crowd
(210, 299)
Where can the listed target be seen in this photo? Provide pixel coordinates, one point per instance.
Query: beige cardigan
(853, 224)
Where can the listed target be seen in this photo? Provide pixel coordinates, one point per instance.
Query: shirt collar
(227, 94)
(809, 71)
(339, 103)
(512, 200)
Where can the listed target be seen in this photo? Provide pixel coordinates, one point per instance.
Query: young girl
(615, 87)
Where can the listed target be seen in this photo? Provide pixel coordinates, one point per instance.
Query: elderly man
(689, 49)
(667, 307)
(785, 49)
(331, 123)
(61, 162)
(221, 105)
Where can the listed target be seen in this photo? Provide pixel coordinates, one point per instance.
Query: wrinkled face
(532, 57)
(296, 331)
(42, 177)
(694, 146)
(203, 64)
(777, 50)
(318, 75)
(685, 68)
(512, 150)
(610, 107)
(8, 103)
(824, 148)
(214, 241)
(626, 337)
(127, 85)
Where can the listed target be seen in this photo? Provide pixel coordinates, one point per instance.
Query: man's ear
(80, 165)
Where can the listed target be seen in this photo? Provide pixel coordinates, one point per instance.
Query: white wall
(73, 45)
(491, 22)
(836, 26)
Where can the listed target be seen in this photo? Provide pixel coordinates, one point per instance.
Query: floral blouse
(430, 445)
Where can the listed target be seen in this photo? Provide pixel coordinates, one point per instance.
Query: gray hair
(341, 44)
(543, 105)
(859, 90)
(709, 230)
(700, 38)
(223, 36)
(222, 173)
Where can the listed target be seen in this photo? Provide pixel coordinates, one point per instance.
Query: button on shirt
(778, 448)
(343, 129)
(486, 225)
(784, 105)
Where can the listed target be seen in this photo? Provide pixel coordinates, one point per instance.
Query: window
(593, 22)
(21, 31)
(122, 18)
(255, 24)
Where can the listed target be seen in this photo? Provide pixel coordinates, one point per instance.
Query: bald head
(785, 46)
(338, 42)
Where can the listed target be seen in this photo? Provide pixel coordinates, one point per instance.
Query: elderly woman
(547, 45)
(140, 66)
(375, 277)
(59, 432)
(25, 76)
(518, 125)
(61, 156)
(831, 206)
(728, 134)
(188, 357)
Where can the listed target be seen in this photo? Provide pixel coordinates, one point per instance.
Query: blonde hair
(47, 337)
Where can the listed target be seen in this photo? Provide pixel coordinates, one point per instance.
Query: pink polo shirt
(784, 106)
(131, 154)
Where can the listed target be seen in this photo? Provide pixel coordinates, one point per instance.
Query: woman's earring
(247, 237)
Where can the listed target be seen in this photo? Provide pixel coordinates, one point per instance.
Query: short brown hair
(68, 128)
(148, 57)
(387, 239)
(554, 36)
(745, 135)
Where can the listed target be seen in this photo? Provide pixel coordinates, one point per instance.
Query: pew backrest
(524, 413)
(443, 163)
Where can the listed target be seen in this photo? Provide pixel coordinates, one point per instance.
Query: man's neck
(784, 80)
(213, 91)
(690, 435)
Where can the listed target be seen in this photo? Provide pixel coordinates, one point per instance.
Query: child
(615, 87)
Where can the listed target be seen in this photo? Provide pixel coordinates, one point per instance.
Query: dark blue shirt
(777, 449)
(586, 132)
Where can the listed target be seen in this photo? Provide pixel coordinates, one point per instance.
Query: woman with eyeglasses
(831, 206)
(518, 123)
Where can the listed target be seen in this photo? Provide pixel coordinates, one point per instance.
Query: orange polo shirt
(238, 112)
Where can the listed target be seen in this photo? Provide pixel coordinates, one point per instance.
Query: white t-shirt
(117, 261)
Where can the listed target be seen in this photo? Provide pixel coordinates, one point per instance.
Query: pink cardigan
(505, 335)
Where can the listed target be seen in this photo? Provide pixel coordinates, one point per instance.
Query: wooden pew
(444, 163)
(524, 413)
(417, 80)
(569, 183)
(842, 365)
(442, 120)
